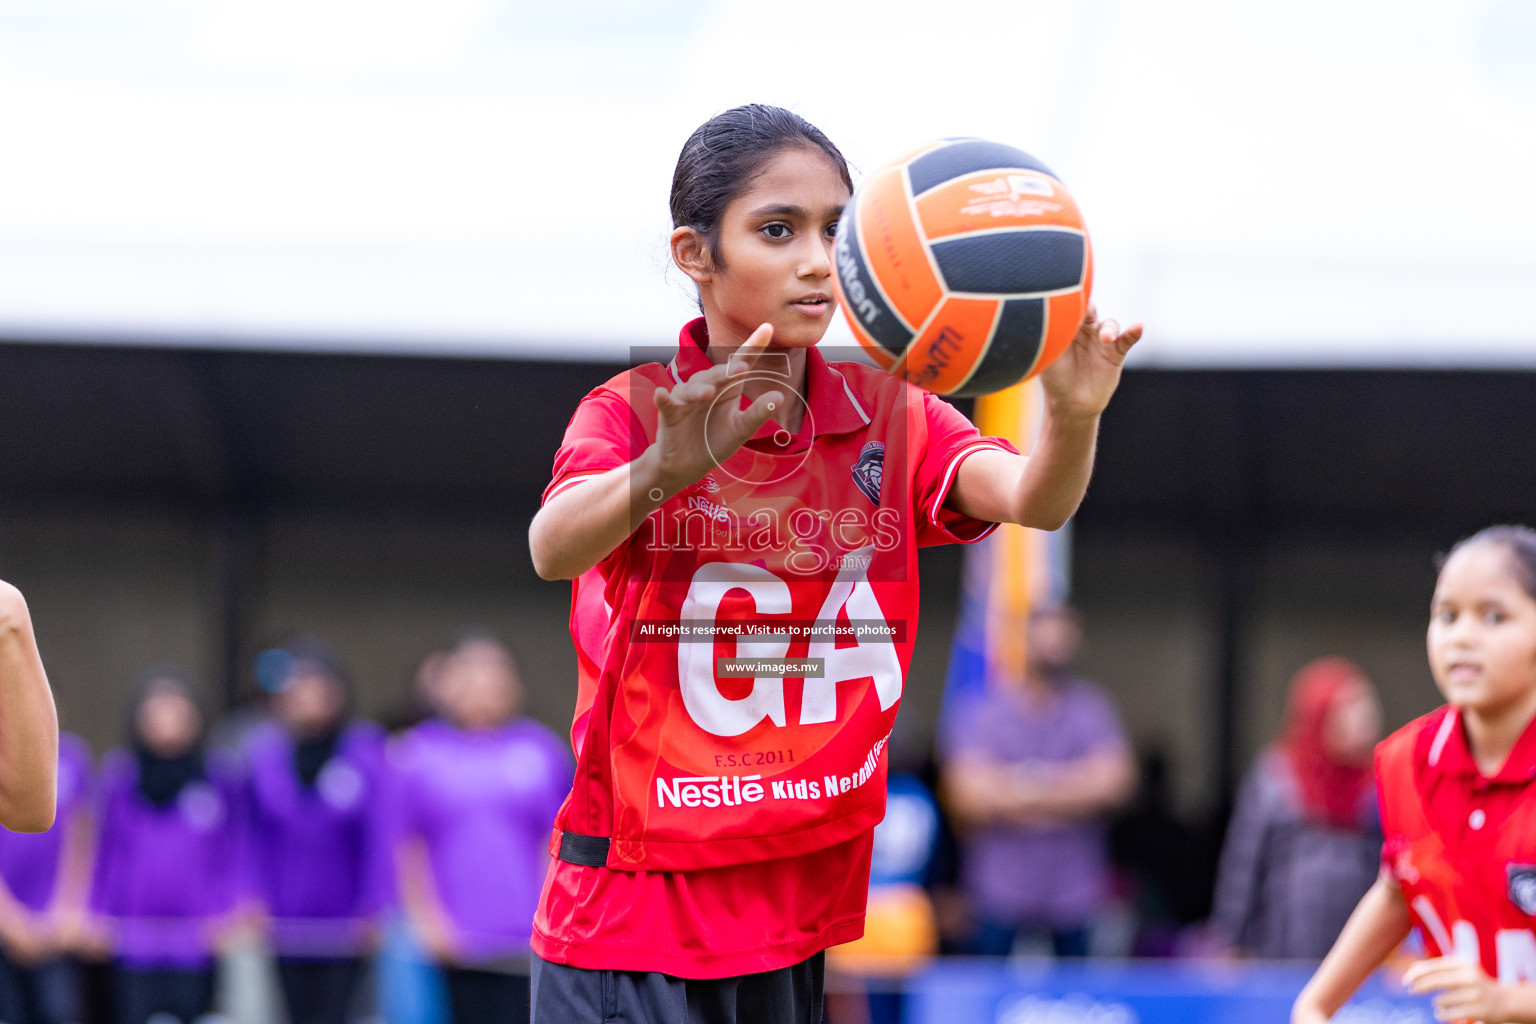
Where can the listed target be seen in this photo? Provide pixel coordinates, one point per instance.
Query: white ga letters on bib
(1514, 948)
(723, 716)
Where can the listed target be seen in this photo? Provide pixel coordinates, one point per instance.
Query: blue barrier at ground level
(1131, 992)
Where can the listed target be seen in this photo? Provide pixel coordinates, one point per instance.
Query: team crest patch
(869, 469)
(1522, 887)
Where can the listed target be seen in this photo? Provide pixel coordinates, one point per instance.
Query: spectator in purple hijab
(478, 792)
(1031, 768)
(319, 842)
(41, 897)
(168, 856)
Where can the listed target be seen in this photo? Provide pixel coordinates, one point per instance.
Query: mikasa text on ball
(963, 267)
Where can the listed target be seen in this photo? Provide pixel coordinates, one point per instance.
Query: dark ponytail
(725, 153)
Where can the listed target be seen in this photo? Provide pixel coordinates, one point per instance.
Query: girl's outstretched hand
(1084, 377)
(1466, 992)
(701, 422)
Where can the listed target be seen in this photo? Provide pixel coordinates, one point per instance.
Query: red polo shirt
(1462, 845)
(1462, 802)
(740, 810)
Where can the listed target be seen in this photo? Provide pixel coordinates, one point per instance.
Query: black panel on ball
(966, 156)
(1011, 262)
(1016, 342)
(863, 299)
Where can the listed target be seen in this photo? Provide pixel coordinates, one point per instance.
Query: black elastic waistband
(588, 851)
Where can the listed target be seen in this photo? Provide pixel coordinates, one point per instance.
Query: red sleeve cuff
(961, 528)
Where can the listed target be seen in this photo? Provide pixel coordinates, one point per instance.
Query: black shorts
(576, 995)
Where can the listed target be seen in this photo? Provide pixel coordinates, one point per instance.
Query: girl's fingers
(715, 375)
(1130, 337)
(1458, 1006)
(1428, 982)
(692, 392)
(741, 361)
(1419, 967)
(677, 403)
(759, 412)
(1432, 975)
(745, 357)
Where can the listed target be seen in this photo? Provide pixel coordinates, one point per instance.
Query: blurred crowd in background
(392, 874)
(301, 827)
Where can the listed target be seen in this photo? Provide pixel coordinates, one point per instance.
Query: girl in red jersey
(29, 725)
(751, 500)
(1458, 802)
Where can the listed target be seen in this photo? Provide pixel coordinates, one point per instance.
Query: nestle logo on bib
(1522, 887)
(708, 791)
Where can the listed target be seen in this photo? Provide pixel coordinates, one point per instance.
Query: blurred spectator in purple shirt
(478, 790)
(41, 898)
(1032, 766)
(319, 836)
(168, 856)
(1304, 843)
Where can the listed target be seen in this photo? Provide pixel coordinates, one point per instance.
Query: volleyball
(963, 267)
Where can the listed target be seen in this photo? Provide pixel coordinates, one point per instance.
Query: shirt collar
(834, 408)
(1450, 754)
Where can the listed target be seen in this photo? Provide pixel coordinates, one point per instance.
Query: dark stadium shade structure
(1224, 460)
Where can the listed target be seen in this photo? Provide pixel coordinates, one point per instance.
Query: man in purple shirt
(1031, 766)
(319, 838)
(478, 790)
(40, 894)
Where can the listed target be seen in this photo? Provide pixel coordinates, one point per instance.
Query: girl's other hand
(1466, 992)
(1082, 380)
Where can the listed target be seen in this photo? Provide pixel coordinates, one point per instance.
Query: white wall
(1321, 182)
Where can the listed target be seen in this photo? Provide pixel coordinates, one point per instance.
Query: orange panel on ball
(897, 258)
(941, 358)
(996, 199)
(1063, 316)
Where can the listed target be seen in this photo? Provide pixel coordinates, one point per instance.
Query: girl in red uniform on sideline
(1458, 803)
(750, 499)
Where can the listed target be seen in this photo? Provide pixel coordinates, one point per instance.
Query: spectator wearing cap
(168, 856)
(1304, 842)
(1032, 767)
(319, 853)
(478, 789)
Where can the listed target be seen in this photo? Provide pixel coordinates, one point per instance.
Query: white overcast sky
(1319, 182)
